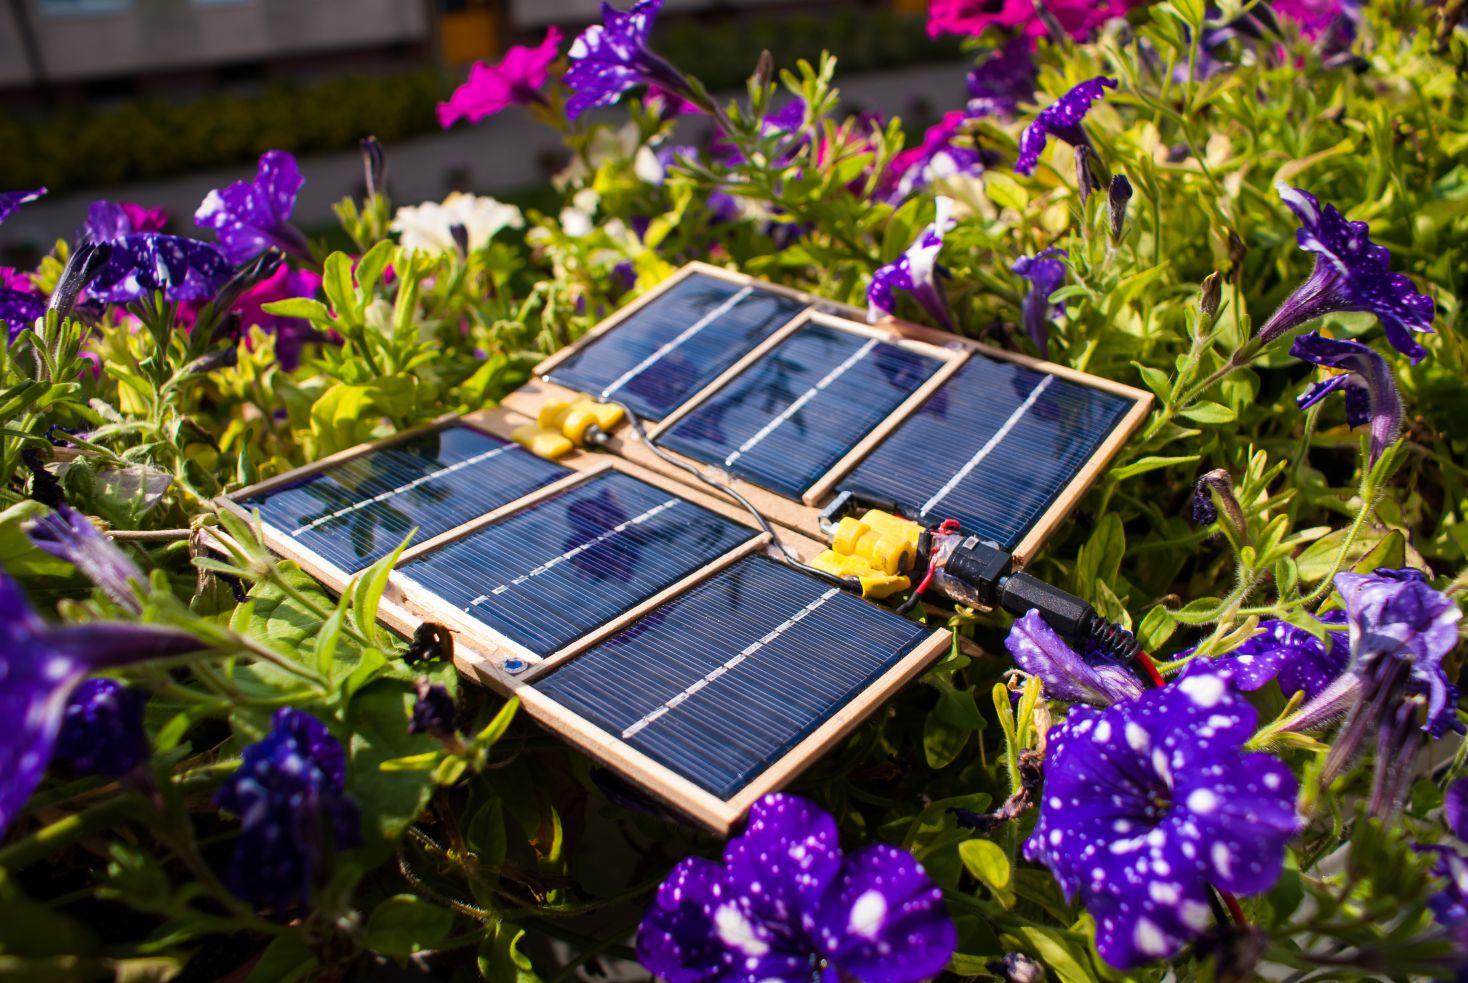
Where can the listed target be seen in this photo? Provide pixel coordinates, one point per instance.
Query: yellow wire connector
(561, 425)
(879, 549)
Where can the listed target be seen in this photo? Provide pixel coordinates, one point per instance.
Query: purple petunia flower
(40, 666)
(944, 153)
(434, 711)
(290, 796)
(1397, 614)
(102, 731)
(1455, 808)
(141, 263)
(19, 310)
(1279, 650)
(1148, 802)
(1351, 274)
(1003, 81)
(1040, 651)
(11, 200)
(1046, 274)
(109, 220)
(915, 271)
(292, 334)
(515, 81)
(609, 58)
(68, 535)
(787, 905)
(1060, 119)
(1366, 382)
(250, 217)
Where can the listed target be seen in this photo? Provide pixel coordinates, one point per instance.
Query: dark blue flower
(290, 796)
(68, 535)
(915, 271)
(786, 904)
(1004, 80)
(11, 200)
(609, 58)
(1046, 273)
(1279, 650)
(1149, 801)
(434, 711)
(102, 731)
(1365, 380)
(1060, 119)
(1040, 651)
(19, 310)
(1351, 274)
(40, 666)
(141, 263)
(250, 217)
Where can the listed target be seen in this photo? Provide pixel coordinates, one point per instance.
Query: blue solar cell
(674, 346)
(720, 682)
(993, 448)
(357, 512)
(564, 566)
(799, 409)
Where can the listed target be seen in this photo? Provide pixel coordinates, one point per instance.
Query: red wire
(1151, 669)
(947, 525)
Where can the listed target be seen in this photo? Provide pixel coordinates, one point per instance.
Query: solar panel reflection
(666, 351)
(993, 448)
(357, 512)
(564, 566)
(795, 412)
(719, 683)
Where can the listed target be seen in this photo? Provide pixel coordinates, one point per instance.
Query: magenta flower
(292, 334)
(1148, 802)
(1351, 274)
(609, 58)
(1078, 18)
(11, 200)
(517, 80)
(915, 271)
(40, 666)
(109, 220)
(1365, 380)
(290, 796)
(1046, 273)
(786, 904)
(944, 153)
(1317, 17)
(1040, 651)
(1062, 120)
(250, 217)
(1004, 80)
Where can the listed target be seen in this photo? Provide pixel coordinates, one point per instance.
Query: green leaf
(987, 861)
(302, 307)
(1100, 558)
(367, 591)
(1063, 953)
(949, 725)
(284, 960)
(1156, 628)
(405, 924)
(496, 728)
(377, 718)
(1155, 379)
(500, 958)
(372, 264)
(1151, 463)
(1206, 412)
(336, 281)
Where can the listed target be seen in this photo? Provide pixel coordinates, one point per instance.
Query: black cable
(848, 583)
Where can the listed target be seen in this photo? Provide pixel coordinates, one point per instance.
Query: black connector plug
(1062, 610)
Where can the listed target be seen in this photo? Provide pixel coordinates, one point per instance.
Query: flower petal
(787, 857)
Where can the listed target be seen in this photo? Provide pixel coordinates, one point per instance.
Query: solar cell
(993, 448)
(357, 512)
(675, 345)
(719, 683)
(550, 573)
(798, 409)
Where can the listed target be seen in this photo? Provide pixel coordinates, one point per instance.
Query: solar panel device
(687, 592)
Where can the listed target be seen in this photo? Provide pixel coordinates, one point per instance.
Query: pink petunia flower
(973, 17)
(515, 81)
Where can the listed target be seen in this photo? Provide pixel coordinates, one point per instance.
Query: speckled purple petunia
(1351, 274)
(249, 217)
(141, 263)
(1279, 650)
(102, 730)
(1060, 119)
(1046, 272)
(1040, 651)
(11, 200)
(1365, 380)
(786, 904)
(915, 271)
(609, 58)
(1149, 801)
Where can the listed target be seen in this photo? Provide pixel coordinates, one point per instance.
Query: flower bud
(1210, 294)
(374, 167)
(764, 69)
(81, 269)
(1086, 179)
(1118, 197)
(1236, 253)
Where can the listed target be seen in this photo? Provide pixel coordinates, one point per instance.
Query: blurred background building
(158, 101)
